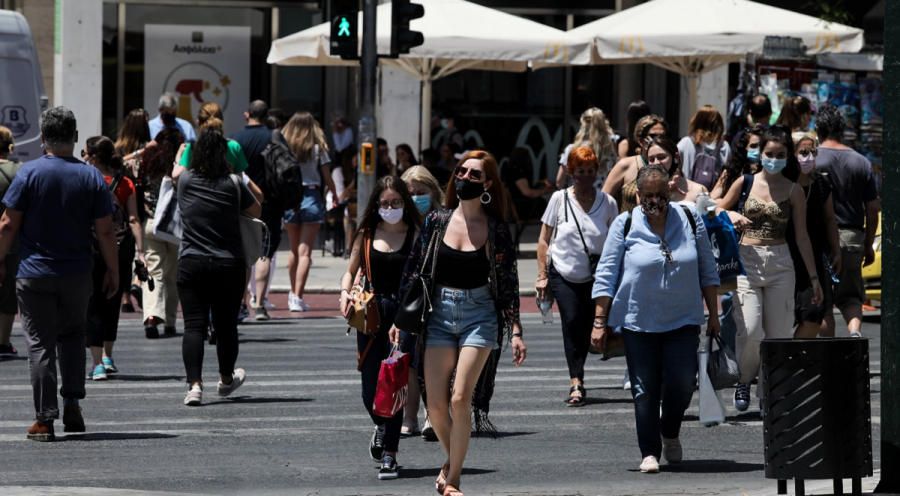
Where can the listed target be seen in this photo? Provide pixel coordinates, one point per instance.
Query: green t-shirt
(8, 171)
(235, 157)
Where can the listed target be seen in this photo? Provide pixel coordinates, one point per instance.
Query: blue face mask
(774, 165)
(423, 202)
(753, 155)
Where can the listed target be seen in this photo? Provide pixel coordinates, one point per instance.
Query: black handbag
(416, 305)
(722, 367)
(592, 258)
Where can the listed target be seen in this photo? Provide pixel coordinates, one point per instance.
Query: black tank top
(387, 268)
(461, 269)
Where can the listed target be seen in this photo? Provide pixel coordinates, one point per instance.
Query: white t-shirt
(566, 249)
(311, 174)
(337, 175)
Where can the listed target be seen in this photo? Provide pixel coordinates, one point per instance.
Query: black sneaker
(389, 469)
(6, 350)
(376, 445)
(151, 331)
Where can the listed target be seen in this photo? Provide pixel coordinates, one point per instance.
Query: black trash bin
(818, 414)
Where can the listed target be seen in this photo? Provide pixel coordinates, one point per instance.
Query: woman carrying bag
(469, 254)
(381, 247)
(576, 223)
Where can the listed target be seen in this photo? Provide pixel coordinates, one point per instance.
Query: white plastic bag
(167, 220)
(712, 410)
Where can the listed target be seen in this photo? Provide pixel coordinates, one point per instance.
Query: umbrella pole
(693, 80)
(425, 129)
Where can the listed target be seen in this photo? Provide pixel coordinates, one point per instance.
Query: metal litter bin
(818, 413)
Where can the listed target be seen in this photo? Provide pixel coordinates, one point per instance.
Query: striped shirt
(312, 175)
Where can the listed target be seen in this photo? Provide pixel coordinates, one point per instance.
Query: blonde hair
(595, 130)
(209, 110)
(303, 133)
(421, 174)
(7, 145)
(706, 126)
(801, 136)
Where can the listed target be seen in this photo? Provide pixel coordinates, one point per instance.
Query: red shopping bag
(393, 384)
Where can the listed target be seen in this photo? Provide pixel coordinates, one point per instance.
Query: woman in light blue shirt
(656, 270)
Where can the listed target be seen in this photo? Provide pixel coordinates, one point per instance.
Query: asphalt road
(298, 427)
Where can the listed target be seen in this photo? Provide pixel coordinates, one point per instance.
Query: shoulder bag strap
(112, 184)
(580, 234)
(367, 241)
(745, 192)
(690, 217)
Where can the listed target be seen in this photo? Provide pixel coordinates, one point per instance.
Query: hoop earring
(483, 201)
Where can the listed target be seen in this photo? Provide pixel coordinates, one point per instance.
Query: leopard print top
(770, 219)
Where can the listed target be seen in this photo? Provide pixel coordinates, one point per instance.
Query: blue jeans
(729, 328)
(650, 357)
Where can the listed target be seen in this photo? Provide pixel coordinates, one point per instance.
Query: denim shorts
(312, 209)
(462, 317)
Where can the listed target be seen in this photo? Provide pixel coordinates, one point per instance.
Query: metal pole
(890, 327)
(365, 181)
(567, 92)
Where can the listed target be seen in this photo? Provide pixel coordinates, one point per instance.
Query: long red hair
(496, 208)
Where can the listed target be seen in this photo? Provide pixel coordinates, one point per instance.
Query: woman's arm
(711, 297)
(257, 193)
(347, 278)
(135, 225)
(600, 329)
(508, 288)
(834, 237)
(527, 190)
(329, 182)
(623, 149)
(616, 178)
(798, 204)
(719, 189)
(543, 246)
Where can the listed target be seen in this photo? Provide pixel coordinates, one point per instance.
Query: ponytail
(104, 150)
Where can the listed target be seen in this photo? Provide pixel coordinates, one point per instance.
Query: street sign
(345, 29)
(402, 39)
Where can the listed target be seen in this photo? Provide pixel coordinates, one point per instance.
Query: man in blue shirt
(253, 140)
(52, 203)
(168, 108)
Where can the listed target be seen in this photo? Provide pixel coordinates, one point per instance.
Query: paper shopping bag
(393, 385)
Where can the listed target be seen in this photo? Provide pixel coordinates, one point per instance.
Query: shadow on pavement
(265, 340)
(249, 400)
(422, 473)
(712, 467)
(147, 378)
(501, 435)
(114, 436)
(601, 401)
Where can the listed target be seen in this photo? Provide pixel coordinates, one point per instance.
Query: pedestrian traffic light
(402, 39)
(344, 29)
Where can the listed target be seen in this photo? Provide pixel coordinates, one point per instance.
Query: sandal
(452, 490)
(573, 401)
(441, 482)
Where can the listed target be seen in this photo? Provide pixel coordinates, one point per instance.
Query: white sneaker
(302, 304)
(268, 305)
(237, 379)
(650, 465)
(292, 303)
(194, 396)
(626, 382)
(671, 450)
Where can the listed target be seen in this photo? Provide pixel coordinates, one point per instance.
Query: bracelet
(517, 335)
(599, 326)
(599, 317)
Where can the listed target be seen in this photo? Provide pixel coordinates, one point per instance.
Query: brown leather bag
(363, 315)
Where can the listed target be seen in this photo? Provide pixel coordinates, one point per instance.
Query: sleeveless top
(460, 269)
(387, 267)
(770, 219)
(629, 192)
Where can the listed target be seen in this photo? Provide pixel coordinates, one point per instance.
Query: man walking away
(253, 140)
(52, 203)
(856, 208)
(168, 109)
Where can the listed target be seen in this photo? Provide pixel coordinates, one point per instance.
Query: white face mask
(392, 215)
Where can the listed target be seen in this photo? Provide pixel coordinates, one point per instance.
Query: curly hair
(830, 123)
(157, 161)
(595, 130)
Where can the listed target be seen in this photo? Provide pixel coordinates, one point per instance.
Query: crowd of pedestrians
(623, 251)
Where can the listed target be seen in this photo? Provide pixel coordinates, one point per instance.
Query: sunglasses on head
(83, 154)
(475, 174)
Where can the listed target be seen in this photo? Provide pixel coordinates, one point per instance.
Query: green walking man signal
(344, 27)
(344, 31)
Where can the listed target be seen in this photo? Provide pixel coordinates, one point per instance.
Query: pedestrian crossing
(298, 421)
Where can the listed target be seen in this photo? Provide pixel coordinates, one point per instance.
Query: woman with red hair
(576, 224)
(475, 306)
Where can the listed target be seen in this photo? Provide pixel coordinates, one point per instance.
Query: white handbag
(254, 235)
(167, 219)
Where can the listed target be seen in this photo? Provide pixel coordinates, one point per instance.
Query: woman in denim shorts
(474, 309)
(307, 141)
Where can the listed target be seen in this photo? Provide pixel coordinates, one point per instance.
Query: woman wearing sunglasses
(766, 294)
(656, 271)
(475, 307)
(621, 182)
(381, 246)
(821, 225)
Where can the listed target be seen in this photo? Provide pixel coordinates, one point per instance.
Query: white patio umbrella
(691, 37)
(458, 35)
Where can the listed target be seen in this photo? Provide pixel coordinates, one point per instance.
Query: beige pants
(765, 304)
(162, 262)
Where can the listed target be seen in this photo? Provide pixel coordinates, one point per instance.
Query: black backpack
(707, 167)
(119, 217)
(283, 183)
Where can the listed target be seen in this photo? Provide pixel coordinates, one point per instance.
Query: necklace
(590, 199)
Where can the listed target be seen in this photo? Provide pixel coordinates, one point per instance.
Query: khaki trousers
(162, 262)
(765, 304)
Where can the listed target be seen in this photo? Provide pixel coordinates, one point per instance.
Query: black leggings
(102, 322)
(216, 286)
(576, 312)
(371, 366)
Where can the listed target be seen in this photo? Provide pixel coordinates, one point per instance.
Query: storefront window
(299, 88)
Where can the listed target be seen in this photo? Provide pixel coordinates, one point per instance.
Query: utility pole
(890, 326)
(365, 179)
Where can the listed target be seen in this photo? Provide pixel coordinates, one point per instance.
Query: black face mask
(467, 190)
(168, 119)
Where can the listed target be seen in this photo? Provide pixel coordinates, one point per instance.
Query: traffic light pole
(890, 326)
(365, 179)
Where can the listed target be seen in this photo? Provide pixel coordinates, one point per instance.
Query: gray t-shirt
(209, 214)
(853, 180)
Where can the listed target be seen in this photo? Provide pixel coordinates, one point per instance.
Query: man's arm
(106, 235)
